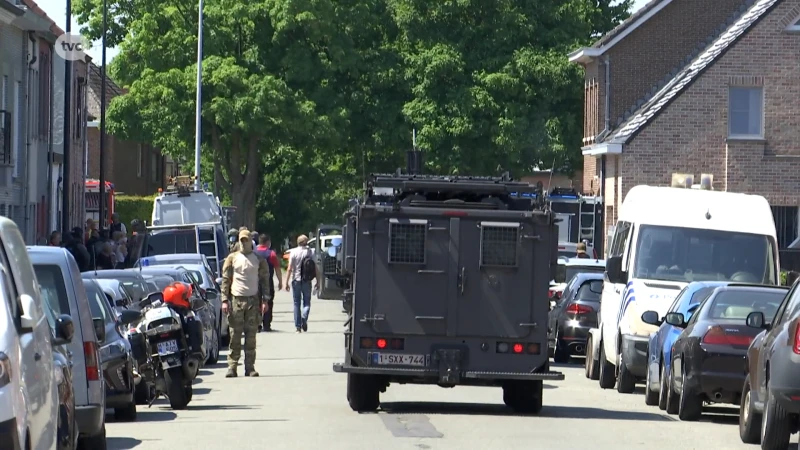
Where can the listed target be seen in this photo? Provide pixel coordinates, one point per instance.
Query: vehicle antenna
(414, 138)
(552, 169)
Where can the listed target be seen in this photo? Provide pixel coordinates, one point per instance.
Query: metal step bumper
(412, 372)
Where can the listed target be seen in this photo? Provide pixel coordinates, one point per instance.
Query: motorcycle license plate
(167, 347)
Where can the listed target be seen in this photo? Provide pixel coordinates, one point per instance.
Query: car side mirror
(211, 294)
(614, 270)
(219, 281)
(651, 318)
(129, 316)
(65, 330)
(155, 297)
(99, 329)
(29, 313)
(756, 320)
(675, 319)
(121, 303)
(596, 286)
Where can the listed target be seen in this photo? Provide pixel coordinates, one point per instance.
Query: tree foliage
(303, 97)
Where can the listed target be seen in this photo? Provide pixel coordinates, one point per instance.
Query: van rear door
(411, 276)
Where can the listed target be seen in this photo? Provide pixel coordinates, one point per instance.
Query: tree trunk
(242, 186)
(244, 199)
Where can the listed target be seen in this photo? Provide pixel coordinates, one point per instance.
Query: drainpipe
(29, 106)
(51, 199)
(607, 120)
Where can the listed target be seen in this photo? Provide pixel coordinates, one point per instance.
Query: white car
(28, 383)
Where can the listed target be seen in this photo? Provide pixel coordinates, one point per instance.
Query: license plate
(167, 347)
(398, 359)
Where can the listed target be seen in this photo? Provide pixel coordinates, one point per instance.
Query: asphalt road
(299, 403)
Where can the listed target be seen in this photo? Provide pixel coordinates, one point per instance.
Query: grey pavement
(299, 403)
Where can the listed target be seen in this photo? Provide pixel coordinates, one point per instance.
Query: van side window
(620, 238)
(12, 302)
(11, 286)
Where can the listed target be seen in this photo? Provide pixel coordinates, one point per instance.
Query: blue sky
(57, 10)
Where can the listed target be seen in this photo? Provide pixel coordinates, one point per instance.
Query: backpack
(308, 268)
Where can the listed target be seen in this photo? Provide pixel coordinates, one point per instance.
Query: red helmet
(178, 294)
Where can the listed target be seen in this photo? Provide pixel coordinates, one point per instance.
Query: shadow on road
(721, 415)
(145, 414)
(549, 386)
(121, 443)
(200, 390)
(192, 407)
(479, 409)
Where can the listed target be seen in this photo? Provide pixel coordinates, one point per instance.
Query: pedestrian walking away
(244, 284)
(301, 272)
(265, 251)
(581, 251)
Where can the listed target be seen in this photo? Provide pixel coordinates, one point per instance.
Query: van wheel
(126, 413)
(524, 397)
(96, 442)
(363, 392)
(775, 431)
(749, 418)
(587, 365)
(606, 376)
(626, 381)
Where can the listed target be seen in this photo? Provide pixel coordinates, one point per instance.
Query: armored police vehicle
(449, 285)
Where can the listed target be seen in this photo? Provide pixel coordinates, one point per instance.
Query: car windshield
(162, 281)
(52, 290)
(97, 302)
(171, 261)
(692, 254)
(171, 242)
(565, 273)
(194, 208)
(737, 304)
(135, 287)
(585, 291)
(198, 277)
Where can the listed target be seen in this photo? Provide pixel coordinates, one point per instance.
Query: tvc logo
(72, 47)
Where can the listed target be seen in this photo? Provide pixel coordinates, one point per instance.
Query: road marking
(410, 426)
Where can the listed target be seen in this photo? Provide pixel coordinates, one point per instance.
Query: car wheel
(126, 413)
(607, 376)
(690, 407)
(749, 418)
(662, 390)
(587, 364)
(213, 354)
(96, 442)
(672, 398)
(651, 397)
(775, 431)
(561, 353)
(363, 392)
(524, 397)
(626, 381)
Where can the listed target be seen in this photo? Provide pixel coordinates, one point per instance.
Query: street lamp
(66, 187)
(199, 101)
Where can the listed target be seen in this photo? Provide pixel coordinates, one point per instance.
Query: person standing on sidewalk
(244, 281)
(301, 272)
(263, 250)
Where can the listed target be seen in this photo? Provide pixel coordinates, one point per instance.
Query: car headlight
(112, 350)
(5, 369)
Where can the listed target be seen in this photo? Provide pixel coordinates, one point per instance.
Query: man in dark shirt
(263, 250)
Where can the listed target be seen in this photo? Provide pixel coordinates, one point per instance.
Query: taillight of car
(579, 309)
(91, 356)
(717, 336)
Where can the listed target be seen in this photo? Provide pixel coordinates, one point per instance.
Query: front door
(494, 291)
(410, 283)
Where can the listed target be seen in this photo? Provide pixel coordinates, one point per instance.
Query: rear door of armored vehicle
(330, 289)
(456, 274)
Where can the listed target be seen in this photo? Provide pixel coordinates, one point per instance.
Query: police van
(665, 238)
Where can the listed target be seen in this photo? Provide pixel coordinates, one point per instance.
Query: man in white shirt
(301, 271)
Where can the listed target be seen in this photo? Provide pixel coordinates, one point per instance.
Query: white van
(665, 238)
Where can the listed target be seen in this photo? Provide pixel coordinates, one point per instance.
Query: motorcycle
(167, 346)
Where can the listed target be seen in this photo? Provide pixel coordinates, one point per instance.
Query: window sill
(745, 139)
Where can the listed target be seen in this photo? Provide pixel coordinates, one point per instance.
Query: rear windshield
(169, 243)
(736, 304)
(162, 281)
(53, 290)
(565, 273)
(585, 292)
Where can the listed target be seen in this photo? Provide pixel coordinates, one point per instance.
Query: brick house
(151, 168)
(714, 97)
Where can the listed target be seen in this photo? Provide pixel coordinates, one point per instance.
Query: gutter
(24, 192)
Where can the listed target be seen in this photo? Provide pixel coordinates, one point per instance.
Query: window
(499, 243)
(45, 78)
(737, 304)
(98, 303)
(154, 167)
(586, 293)
(79, 111)
(693, 254)
(140, 161)
(621, 234)
(53, 290)
(746, 112)
(407, 241)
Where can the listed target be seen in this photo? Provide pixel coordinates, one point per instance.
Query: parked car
(130, 279)
(115, 351)
(659, 349)
(117, 294)
(157, 282)
(210, 288)
(62, 289)
(200, 305)
(568, 268)
(27, 365)
(708, 358)
(574, 314)
(67, 434)
(770, 400)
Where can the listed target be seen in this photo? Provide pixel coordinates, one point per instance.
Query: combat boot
(231, 373)
(251, 372)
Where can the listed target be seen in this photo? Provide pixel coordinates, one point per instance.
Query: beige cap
(581, 247)
(302, 239)
(244, 234)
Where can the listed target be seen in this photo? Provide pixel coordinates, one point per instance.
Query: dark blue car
(660, 346)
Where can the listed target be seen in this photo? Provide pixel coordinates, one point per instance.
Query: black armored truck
(448, 281)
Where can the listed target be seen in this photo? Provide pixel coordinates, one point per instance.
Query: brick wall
(77, 138)
(690, 135)
(135, 169)
(557, 180)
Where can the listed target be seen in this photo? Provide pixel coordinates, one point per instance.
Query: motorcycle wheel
(175, 388)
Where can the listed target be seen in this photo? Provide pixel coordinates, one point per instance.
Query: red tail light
(381, 343)
(92, 359)
(518, 348)
(796, 347)
(579, 309)
(718, 336)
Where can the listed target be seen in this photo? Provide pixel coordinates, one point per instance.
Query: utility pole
(66, 181)
(102, 205)
(199, 102)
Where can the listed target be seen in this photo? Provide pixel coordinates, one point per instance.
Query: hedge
(132, 207)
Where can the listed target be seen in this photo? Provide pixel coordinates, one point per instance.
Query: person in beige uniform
(245, 277)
